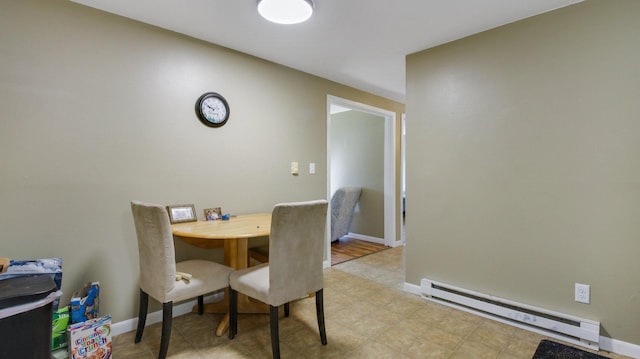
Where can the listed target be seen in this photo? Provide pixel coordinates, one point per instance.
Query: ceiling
(359, 43)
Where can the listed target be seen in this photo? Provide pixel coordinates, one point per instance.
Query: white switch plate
(294, 168)
(312, 168)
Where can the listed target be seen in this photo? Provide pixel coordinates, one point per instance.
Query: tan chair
(343, 204)
(296, 253)
(158, 270)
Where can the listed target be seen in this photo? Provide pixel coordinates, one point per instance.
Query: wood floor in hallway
(347, 249)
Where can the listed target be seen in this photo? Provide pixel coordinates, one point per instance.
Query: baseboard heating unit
(565, 327)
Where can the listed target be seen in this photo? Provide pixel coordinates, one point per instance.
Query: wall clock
(212, 109)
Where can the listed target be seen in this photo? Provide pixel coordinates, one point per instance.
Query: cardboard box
(90, 339)
(85, 303)
(60, 354)
(59, 329)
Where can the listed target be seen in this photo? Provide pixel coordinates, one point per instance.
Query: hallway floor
(347, 249)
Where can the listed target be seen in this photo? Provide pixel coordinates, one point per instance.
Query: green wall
(357, 159)
(97, 110)
(523, 167)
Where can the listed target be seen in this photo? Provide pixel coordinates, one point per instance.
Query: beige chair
(296, 253)
(343, 204)
(158, 270)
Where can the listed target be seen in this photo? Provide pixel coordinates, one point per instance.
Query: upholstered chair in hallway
(162, 278)
(343, 203)
(296, 252)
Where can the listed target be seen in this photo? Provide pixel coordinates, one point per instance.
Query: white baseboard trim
(620, 347)
(129, 325)
(607, 344)
(412, 288)
(362, 237)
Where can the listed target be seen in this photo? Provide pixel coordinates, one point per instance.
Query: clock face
(212, 109)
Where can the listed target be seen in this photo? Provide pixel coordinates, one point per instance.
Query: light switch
(294, 168)
(312, 168)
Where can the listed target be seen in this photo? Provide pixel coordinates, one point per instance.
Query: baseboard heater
(564, 327)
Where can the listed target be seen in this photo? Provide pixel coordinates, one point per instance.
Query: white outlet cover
(582, 293)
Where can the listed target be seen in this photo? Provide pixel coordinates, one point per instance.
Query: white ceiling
(359, 43)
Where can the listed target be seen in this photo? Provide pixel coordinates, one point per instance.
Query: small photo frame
(182, 213)
(211, 214)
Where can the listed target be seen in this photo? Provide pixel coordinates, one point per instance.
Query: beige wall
(357, 159)
(523, 163)
(97, 110)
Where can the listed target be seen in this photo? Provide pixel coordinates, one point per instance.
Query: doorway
(386, 232)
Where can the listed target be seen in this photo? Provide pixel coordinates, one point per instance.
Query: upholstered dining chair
(343, 204)
(294, 270)
(162, 278)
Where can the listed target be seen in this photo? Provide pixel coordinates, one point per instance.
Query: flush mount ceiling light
(285, 11)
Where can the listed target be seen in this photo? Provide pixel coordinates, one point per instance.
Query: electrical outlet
(583, 293)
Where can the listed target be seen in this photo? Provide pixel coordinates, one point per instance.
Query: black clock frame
(202, 117)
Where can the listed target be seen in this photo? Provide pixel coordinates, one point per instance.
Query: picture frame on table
(211, 214)
(182, 213)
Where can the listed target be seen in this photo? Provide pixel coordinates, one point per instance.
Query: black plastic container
(26, 311)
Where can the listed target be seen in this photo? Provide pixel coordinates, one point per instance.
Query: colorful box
(85, 303)
(90, 339)
(59, 328)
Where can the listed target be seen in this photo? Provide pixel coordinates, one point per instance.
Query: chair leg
(286, 309)
(275, 336)
(167, 317)
(320, 315)
(233, 313)
(200, 304)
(142, 315)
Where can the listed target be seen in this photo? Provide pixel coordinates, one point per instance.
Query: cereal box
(90, 339)
(85, 303)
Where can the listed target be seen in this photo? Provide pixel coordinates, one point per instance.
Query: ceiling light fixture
(286, 11)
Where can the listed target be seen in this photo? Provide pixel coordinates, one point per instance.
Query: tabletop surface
(243, 226)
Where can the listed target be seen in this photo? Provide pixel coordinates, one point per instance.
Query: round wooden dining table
(233, 235)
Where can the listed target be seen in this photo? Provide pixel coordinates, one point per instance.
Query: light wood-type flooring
(346, 249)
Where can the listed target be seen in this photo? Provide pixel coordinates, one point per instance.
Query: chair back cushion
(155, 248)
(296, 252)
(343, 203)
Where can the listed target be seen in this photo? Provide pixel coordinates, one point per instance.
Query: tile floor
(367, 316)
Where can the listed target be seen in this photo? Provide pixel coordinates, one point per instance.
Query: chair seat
(252, 281)
(207, 277)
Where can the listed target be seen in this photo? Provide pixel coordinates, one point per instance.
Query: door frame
(390, 208)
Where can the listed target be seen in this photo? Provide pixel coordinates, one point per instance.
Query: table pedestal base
(246, 305)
